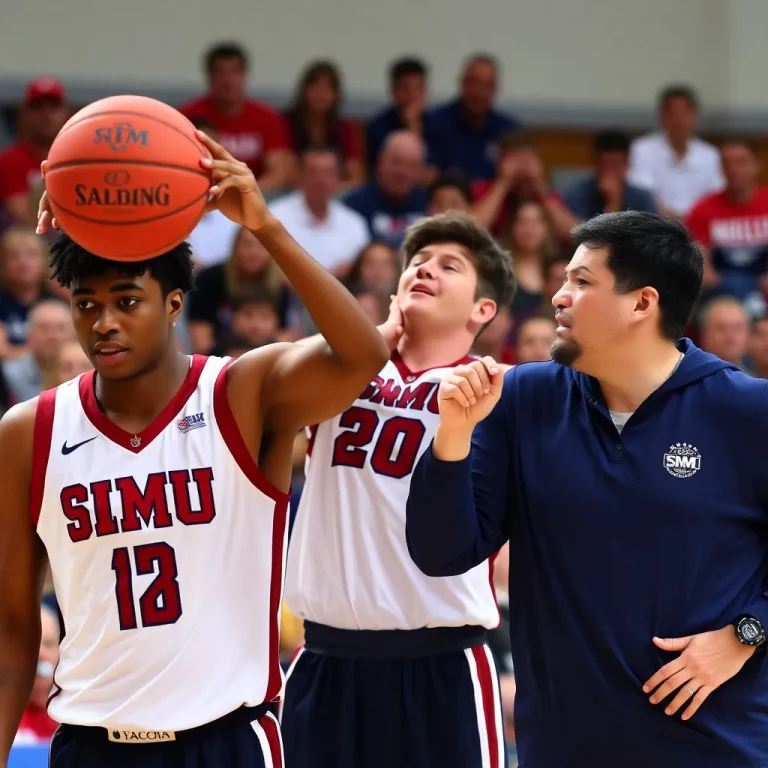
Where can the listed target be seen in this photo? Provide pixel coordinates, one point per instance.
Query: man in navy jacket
(630, 476)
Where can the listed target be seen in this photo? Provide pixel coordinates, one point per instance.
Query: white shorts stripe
(482, 727)
(266, 750)
(497, 715)
(296, 658)
(489, 724)
(271, 758)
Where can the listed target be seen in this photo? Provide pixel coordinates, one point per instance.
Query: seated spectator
(757, 347)
(535, 337)
(376, 270)
(328, 230)
(408, 87)
(673, 164)
(314, 120)
(210, 303)
(41, 117)
(394, 199)
(250, 130)
(732, 226)
(467, 130)
(50, 326)
(495, 339)
(607, 190)
(211, 240)
(23, 282)
(725, 330)
(372, 305)
(519, 178)
(71, 361)
(36, 727)
(530, 243)
(449, 192)
(254, 321)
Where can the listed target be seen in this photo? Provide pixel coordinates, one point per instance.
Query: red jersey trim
(117, 434)
(235, 443)
(41, 450)
(405, 372)
(279, 530)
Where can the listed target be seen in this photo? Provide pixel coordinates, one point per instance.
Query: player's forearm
(18, 660)
(337, 315)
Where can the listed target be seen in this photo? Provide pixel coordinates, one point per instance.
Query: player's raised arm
(459, 502)
(22, 566)
(304, 384)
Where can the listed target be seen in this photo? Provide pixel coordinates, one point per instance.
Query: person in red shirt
(520, 178)
(36, 727)
(251, 130)
(42, 114)
(731, 226)
(314, 121)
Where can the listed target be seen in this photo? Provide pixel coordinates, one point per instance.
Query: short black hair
(678, 91)
(72, 263)
(408, 65)
(648, 249)
(225, 50)
(255, 294)
(481, 57)
(320, 149)
(740, 141)
(451, 178)
(611, 141)
(495, 275)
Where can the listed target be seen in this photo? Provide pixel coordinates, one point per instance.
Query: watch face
(751, 632)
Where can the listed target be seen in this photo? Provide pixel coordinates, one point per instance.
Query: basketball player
(158, 486)
(395, 671)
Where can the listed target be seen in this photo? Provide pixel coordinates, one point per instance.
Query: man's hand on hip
(705, 662)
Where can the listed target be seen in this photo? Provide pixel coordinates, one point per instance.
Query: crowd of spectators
(348, 189)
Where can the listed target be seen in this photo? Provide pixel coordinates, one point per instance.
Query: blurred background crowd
(347, 186)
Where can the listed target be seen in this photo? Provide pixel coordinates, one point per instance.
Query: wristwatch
(749, 630)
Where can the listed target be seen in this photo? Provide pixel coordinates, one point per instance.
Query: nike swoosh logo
(67, 449)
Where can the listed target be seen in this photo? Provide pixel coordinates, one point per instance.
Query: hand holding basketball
(235, 191)
(469, 393)
(44, 213)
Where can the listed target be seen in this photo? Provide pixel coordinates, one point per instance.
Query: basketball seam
(128, 223)
(150, 163)
(145, 116)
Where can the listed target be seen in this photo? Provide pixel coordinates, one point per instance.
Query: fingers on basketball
(214, 147)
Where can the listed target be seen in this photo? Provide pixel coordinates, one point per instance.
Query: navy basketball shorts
(426, 698)
(245, 738)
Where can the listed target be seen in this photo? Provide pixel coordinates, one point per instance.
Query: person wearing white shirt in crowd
(675, 165)
(328, 229)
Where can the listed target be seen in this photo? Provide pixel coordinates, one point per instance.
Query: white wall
(582, 53)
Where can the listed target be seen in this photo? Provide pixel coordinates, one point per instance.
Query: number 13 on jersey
(160, 603)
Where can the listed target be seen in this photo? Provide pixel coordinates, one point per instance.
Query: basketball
(124, 178)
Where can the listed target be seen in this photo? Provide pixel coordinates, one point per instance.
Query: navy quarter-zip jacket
(661, 530)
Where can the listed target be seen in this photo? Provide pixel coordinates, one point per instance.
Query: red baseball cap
(44, 88)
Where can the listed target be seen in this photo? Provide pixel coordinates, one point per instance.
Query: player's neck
(633, 375)
(422, 352)
(134, 403)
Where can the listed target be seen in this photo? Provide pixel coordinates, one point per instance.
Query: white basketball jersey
(348, 562)
(166, 549)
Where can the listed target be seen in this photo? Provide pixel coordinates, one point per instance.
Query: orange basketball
(124, 178)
